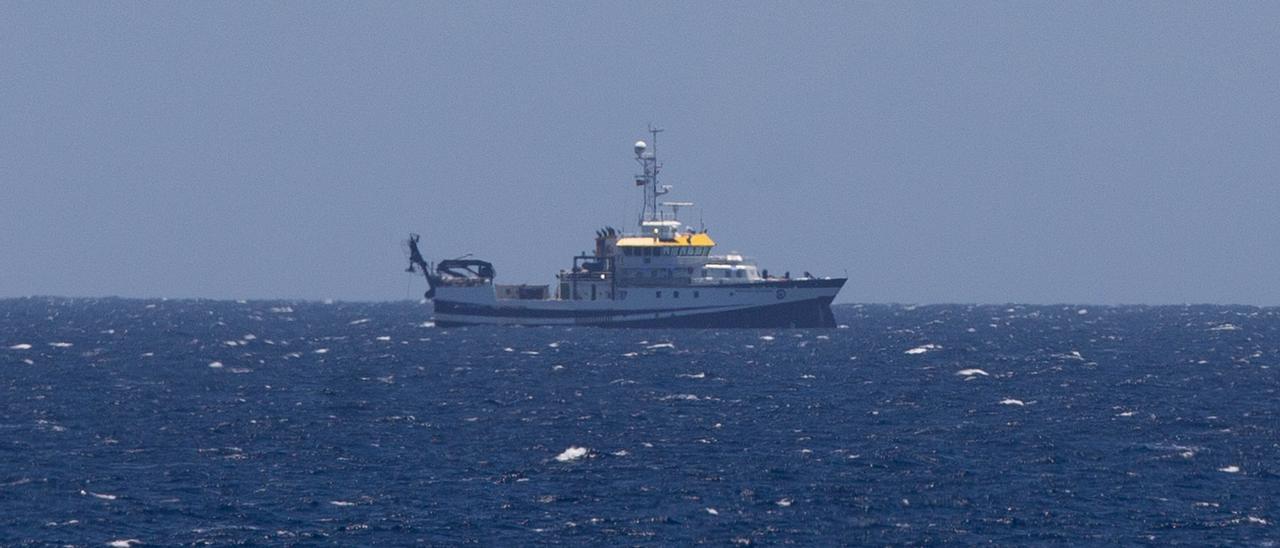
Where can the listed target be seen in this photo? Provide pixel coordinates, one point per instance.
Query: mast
(647, 157)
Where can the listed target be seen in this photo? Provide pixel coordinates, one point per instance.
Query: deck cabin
(669, 257)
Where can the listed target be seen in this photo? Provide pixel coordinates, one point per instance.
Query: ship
(665, 275)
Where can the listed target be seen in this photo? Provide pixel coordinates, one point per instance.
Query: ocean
(161, 422)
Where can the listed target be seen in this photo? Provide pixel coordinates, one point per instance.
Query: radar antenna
(647, 157)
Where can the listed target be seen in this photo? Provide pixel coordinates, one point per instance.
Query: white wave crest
(923, 348)
(572, 454)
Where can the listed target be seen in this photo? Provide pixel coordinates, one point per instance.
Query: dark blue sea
(173, 422)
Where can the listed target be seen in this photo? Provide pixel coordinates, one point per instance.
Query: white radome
(640, 146)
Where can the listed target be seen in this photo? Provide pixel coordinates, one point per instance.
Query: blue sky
(979, 152)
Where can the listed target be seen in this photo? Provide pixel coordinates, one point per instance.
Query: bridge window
(742, 273)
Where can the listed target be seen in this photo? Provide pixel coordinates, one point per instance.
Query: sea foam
(572, 454)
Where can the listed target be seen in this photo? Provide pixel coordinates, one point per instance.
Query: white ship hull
(768, 303)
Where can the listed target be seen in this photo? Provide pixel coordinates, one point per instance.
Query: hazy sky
(1116, 152)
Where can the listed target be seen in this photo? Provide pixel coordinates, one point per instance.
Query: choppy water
(173, 422)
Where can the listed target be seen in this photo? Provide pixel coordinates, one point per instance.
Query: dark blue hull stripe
(466, 309)
(806, 313)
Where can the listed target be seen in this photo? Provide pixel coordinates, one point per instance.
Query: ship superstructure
(664, 275)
